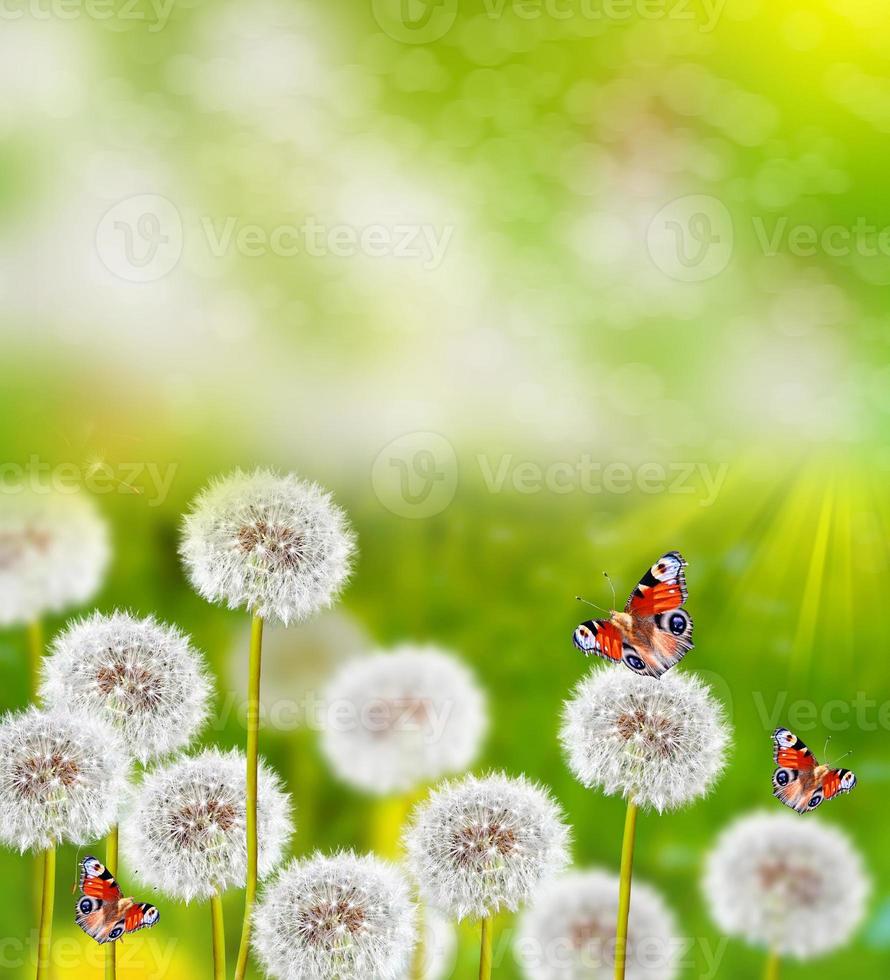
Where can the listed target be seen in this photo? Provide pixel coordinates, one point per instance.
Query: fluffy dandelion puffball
(568, 933)
(339, 917)
(62, 778)
(658, 742)
(185, 831)
(141, 676)
(395, 720)
(794, 886)
(477, 846)
(273, 544)
(53, 554)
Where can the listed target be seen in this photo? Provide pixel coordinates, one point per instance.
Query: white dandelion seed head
(338, 917)
(479, 845)
(53, 554)
(660, 742)
(792, 885)
(273, 544)
(296, 665)
(185, 831)
(568, 933)
(63, 776)
(395, 720)
(143, 677)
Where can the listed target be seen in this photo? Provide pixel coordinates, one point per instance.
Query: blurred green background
(537, 289)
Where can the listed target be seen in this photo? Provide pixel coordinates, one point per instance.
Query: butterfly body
(800, 782)
(103, 912)
(653, 632)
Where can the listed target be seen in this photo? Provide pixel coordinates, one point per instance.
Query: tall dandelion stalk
(793, 888)
(277, 546)
(61, 780)
(478, 846)
(660, 743)
(625, 882)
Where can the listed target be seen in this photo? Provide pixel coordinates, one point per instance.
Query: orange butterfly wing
(96, 881)
(661, 589)
(662, 633)
(599, 636)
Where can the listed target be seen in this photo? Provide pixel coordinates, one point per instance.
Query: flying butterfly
(654, 632)
(800, 782)
(102, 912)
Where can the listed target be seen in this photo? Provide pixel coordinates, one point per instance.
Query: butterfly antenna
(825, 749)
(608, 578)
(589, 603)
(844, 756)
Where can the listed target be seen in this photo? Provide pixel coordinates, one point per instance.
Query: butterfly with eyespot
(800, 782)
(653, 633)
(102, 912)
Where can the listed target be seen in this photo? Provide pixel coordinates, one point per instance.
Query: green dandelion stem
(253, 724)
(772, 967)
(111, 851)
(45, 935)
(219, 938)
(627, 863)
(485, 951)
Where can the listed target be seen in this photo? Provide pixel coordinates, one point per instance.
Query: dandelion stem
(627, 863)
(35, 662)
(253, 724)
(44, 937)
(418, 960)
(772, 967)
(219, 938)
(485, 951)
(111, 849)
